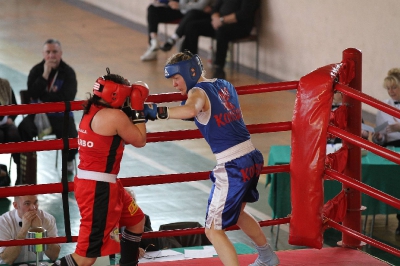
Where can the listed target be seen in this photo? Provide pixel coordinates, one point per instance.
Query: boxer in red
(105, 206)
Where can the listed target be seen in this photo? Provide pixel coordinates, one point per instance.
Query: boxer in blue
(213, 104)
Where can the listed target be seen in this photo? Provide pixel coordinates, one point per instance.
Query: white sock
(154, 43)
(175, 36)
(264, 252)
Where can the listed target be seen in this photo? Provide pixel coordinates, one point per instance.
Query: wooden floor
(92, 40)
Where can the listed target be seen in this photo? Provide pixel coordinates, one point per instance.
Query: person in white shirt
(16, 223)
(391, 135)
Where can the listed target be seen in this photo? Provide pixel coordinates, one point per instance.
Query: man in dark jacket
(51, 80)
(230, 20)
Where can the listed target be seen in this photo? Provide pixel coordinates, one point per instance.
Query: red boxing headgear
(113, 93)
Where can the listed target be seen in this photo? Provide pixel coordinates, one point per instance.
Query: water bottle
(117, 258)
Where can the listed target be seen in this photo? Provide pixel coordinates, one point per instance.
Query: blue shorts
(235, 182)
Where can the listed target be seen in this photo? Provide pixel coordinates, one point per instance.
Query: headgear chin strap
(190, 70)
(113, 93)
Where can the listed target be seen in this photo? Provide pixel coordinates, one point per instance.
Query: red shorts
(104, 208)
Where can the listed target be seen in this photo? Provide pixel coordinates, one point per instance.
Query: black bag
(183, 241)
(5, 179)
(28, 168)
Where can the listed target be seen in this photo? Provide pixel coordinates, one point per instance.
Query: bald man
(16, 223)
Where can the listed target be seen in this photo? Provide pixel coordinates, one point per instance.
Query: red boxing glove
(139, 94)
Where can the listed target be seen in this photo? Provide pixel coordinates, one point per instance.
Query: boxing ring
(313, 122)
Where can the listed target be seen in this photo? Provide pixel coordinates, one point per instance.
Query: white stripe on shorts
(219, 196)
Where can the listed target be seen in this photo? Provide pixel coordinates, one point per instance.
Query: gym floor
(26, 25)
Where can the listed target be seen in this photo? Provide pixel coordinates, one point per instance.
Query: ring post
(352, 219)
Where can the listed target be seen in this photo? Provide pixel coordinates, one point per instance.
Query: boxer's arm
(10, 254)
(195, 103)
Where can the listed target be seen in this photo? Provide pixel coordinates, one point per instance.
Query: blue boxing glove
(162, 112)
(152, 112)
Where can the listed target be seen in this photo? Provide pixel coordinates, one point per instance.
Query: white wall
(299, 36)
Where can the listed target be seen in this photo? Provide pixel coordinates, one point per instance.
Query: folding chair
(183, 241)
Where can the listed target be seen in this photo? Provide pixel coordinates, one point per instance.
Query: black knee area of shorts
(130, 248)
(66, 261)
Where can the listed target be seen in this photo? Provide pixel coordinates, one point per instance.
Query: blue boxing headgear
(190, 70)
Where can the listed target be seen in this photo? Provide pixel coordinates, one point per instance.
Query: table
(376, 172)
(32, 263)
(240, 248)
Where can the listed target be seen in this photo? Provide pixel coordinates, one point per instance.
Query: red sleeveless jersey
(96, 152)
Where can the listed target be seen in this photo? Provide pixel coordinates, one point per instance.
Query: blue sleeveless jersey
(226, 127)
